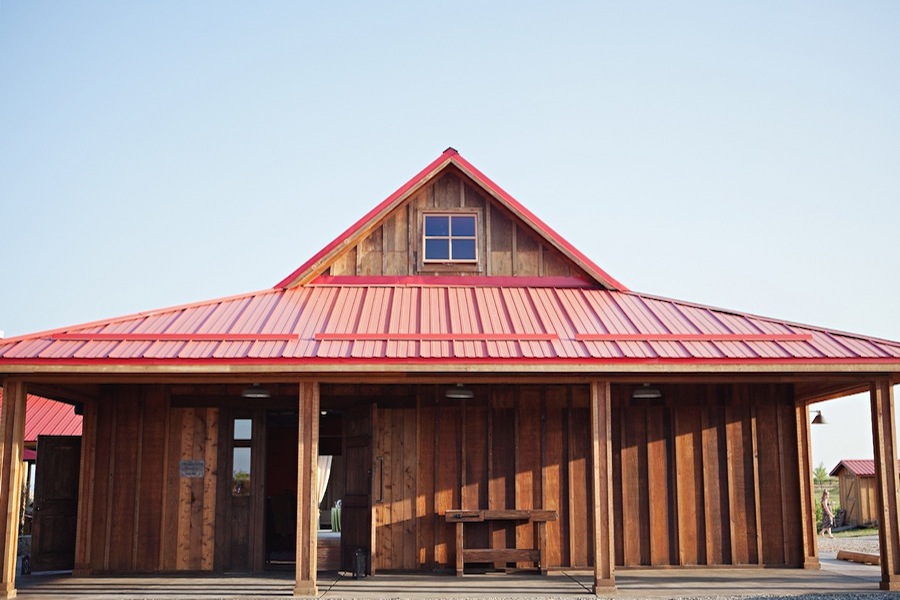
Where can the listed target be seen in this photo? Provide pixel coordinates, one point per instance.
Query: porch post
(601, 480)
(807, 502)
(12, 422)
(884, 439)
(307, 499)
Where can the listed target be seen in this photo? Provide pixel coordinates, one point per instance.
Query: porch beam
(807, 502)
(307, 498)
(601, 488)
(884, 440)
(12, 425)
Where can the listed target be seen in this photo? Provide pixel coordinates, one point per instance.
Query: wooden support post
(12, 427)
(307, 497)
(86, 490)
(602, 486)
(884, 440)
(807, 502)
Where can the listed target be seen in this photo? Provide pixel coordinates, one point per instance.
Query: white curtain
(324, 475)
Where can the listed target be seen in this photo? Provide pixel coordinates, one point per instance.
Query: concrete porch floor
(834, 579)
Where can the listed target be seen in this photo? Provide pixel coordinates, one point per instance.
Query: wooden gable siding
(138, 514)
(507, 246)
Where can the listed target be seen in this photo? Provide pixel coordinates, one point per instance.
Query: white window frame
(450, 237)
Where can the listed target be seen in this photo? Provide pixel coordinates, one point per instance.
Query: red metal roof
(48, 417)
(319, 262)
(860, 468)
(451, 320)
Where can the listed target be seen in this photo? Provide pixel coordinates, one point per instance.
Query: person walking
(827, 515)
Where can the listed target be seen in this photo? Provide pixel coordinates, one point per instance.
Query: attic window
(450, 237)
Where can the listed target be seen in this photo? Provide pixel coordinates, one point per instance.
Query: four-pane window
(450, 238)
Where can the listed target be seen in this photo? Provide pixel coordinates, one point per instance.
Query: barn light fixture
(460, 392)
(256, 392)
(646, 392)
(819, 419)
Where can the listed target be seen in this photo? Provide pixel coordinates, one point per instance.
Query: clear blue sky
(743, 154)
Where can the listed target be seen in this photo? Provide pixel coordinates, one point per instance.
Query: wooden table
(534, 555)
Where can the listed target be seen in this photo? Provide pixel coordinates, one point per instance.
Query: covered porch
(715, 471)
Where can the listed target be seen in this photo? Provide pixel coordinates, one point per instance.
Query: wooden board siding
(734, 498)
(506, 246)
(706, 476)
(857, 498)
(509, 447)
(140, 515)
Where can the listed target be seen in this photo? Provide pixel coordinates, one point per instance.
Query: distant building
(857, 490)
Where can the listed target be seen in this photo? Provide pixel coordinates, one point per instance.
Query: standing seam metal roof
(393, 319)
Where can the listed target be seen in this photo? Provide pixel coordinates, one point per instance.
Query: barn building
(496, 399)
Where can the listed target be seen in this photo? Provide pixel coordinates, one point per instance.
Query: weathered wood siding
(139, 514)
(509, 448)
(857, 498)
(709, 477)
(506, 247)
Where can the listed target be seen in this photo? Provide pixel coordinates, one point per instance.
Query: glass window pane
(243, 429)
(464, 226)
(463, 249)
(240, 476)
(437, 249)
(437, 225)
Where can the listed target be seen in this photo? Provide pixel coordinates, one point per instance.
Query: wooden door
(357, 522)
(55, 503)
(395, 489)
(241, 533)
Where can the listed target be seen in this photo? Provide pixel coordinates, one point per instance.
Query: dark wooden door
(357, 524)
(55, 503)
(241, 539)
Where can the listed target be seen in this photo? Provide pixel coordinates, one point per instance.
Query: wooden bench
(504, 555)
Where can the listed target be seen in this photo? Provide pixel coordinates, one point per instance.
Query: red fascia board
(415, 181)
(230, 362)
(445, 281)
(693, 337)
(587, 263)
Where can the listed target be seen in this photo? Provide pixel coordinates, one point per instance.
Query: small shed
(857, 489)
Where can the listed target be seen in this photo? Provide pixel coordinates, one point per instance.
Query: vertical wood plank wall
(141, 515)
(707, 477)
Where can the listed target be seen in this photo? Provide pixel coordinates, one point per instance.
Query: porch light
(460, 392)
(819, 419)
(256, 392)
(646, 392)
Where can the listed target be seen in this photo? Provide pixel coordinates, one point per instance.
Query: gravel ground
(864, 543)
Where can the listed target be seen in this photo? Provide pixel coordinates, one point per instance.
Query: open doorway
(281, 490)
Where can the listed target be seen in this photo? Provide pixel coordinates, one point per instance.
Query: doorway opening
(281, 490)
